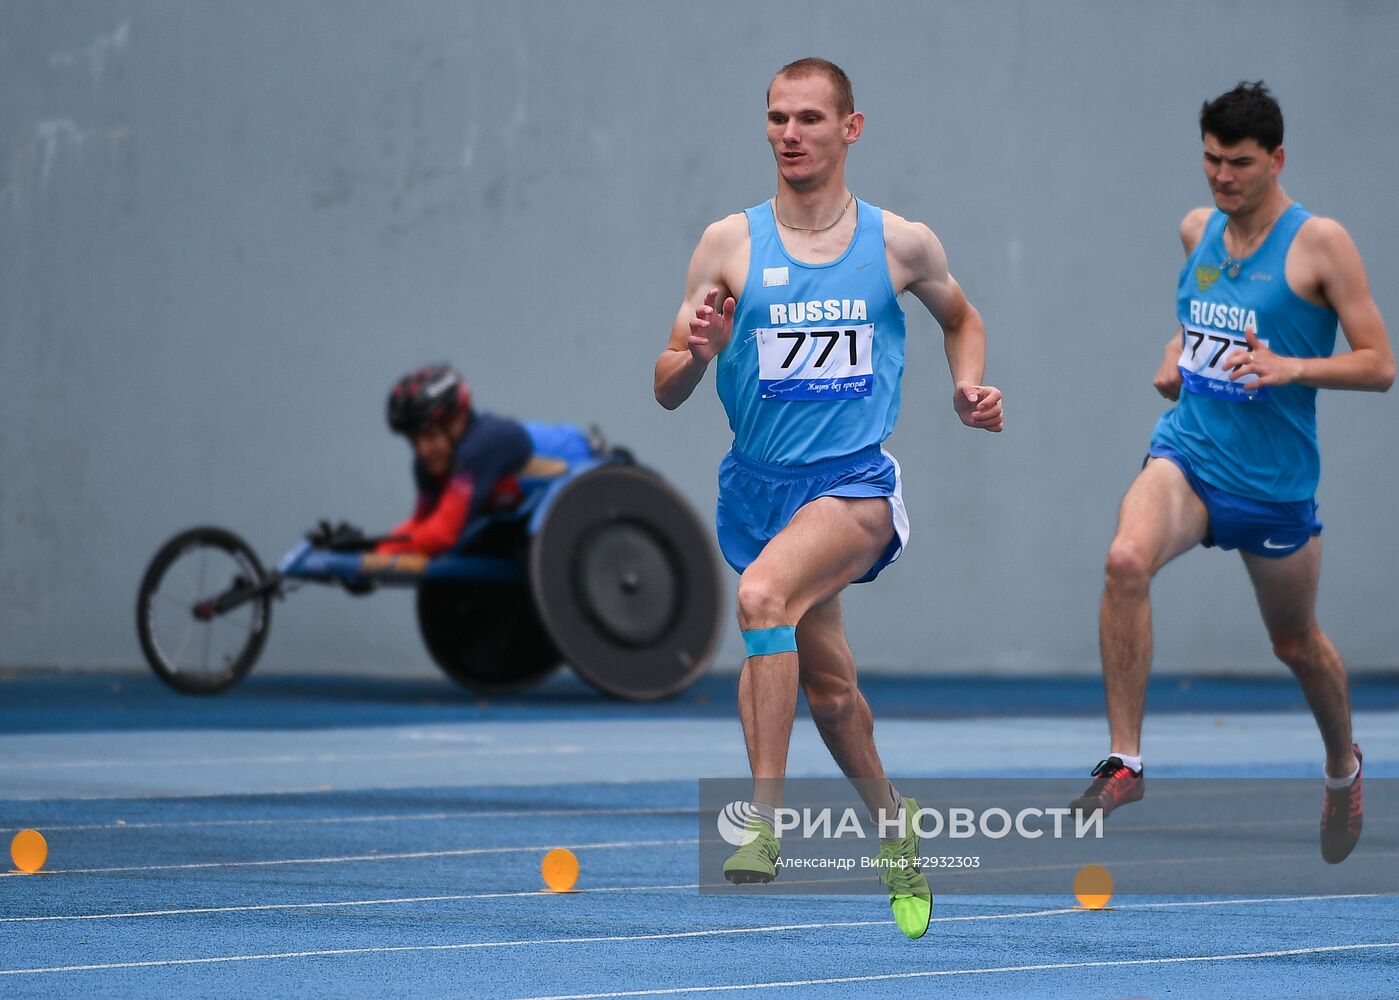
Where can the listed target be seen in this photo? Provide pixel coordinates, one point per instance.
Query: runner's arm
(1168, 378)
(1369, 364)
(704, 322)
(919, 263)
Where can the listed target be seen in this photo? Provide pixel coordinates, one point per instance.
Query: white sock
(766, 813)
(1135, 763)
(1341, 782)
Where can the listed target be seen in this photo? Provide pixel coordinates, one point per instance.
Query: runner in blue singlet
(797, 300)
(1235, 463)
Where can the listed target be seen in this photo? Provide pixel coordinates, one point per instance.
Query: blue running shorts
(757, 500)
(1263, 527)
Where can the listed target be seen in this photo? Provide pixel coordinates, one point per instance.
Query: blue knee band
(766, 641)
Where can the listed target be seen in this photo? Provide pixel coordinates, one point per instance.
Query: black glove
(343, 537)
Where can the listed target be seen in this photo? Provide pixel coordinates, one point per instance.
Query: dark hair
(1248, 111)
(815, 66)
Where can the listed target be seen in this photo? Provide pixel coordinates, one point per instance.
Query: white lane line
(253, 907)
(1117, 863)
(990, 970)
(398, 900)
(463, 815)
(424, 817)
(526, 943)
(311, 758)
(1250, 901)
(349, 858)
(673, 887)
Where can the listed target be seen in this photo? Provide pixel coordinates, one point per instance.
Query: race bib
(831, 362)
(1202, 370)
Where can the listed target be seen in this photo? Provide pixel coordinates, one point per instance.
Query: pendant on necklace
(1234, 270)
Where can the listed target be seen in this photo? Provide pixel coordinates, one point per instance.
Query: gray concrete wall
(226, 227)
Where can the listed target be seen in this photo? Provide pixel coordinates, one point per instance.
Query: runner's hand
(1271, 369)
(711, 331)
(1168, 379)
(979, 406)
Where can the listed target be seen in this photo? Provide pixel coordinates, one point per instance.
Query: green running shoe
(909, 895)
(755, 861)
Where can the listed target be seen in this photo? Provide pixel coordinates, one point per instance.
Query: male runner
(1235, 464)
(797, 298)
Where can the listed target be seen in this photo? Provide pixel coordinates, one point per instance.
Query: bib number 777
(1202, 357)
(816, 363)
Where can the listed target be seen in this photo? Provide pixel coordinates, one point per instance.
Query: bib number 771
(816, 363)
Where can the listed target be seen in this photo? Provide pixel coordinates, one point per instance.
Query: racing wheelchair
(601, 564)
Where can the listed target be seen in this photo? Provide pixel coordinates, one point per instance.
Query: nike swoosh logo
(1268, 544)
(866, 264)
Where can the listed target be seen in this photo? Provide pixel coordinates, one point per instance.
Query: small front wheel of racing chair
(203, 610)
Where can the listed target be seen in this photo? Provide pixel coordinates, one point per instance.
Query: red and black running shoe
(1114, 784)
(1342, 814)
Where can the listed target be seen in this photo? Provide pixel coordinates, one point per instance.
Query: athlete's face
(808, 135)
(1241, 175)
(436, 444)
(433, 448)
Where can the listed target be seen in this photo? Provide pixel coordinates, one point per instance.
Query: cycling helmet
(431, 395)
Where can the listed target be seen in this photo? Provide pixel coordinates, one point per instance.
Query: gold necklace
(803, 229)
(1230, 264)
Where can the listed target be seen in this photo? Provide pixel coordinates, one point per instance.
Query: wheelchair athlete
(466, 463)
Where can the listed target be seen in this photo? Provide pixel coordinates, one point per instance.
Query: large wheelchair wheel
(625, 578)
(203, 611)
(485, 636)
